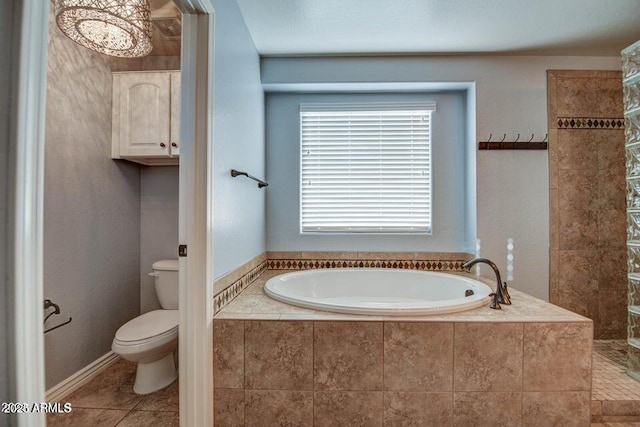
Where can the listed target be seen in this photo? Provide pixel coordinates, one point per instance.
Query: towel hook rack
(261, 183)
(515, 144)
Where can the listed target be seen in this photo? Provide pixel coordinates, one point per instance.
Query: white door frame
(196, 213)
(195, 229)
(27, 194)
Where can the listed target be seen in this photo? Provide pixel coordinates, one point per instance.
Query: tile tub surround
(232, 284)
(587, 193)
(276, 364)
(227, 287)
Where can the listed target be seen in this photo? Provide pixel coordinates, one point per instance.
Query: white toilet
(151, 338)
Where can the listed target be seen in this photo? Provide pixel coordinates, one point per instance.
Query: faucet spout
(501, 295)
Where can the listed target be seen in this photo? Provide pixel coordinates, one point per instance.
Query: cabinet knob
(163, 145)
(174, 145)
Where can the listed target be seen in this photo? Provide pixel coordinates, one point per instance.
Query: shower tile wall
(587, 197)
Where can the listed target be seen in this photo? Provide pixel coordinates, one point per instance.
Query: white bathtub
(374, 291)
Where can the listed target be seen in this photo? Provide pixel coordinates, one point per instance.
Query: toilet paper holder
(56, 310)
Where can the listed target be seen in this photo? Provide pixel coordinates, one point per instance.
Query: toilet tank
(165, 274)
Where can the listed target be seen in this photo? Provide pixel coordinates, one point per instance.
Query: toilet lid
(149, 325)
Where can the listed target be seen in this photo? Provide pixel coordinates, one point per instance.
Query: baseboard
(80, 378)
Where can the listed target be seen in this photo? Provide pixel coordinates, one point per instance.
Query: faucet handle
(506, 298)
(495, 304)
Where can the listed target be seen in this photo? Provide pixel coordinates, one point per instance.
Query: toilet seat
(154, 326)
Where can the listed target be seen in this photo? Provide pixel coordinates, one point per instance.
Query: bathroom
(481, 199)
(108, 218)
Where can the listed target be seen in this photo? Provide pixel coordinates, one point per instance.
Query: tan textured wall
(587, 197)
(91, 211)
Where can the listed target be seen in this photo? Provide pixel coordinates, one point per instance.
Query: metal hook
(504, 137)
(545, 137)
(517, 138)
(48, 304)
(532, 135)
(490, 136)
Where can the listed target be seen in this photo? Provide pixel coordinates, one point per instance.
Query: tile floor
(610, 382)
(615, 395)
(108, 400)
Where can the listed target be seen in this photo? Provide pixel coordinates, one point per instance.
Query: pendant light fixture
(113, 27)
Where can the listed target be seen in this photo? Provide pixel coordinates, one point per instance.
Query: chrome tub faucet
(501, 295)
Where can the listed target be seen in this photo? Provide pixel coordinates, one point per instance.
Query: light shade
(113, 27)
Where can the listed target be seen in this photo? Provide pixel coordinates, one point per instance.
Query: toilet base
(151, 377)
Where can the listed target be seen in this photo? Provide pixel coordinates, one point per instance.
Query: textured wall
(158, 226)
(283, 172)
(91, 212)
(238, 204)
(511, 97)
(158, 196)
(587, 199)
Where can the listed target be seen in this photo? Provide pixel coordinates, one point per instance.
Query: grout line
(522, 380)
(122, 419)
(384, 327)
(313, 372)
(244, 370)
(453, 368)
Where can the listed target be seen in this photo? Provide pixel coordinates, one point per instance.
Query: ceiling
(353, 27)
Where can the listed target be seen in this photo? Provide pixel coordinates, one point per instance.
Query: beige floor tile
(111, 389)
(557, 356)
(82, 417)
(418, 409)
(228, 353)
(418, 356)
(347, 408)
(278, 355)
(166, 399)
(477, 347)
(278, 408)
(556, 408)
(487, 409)
(347, 355)
(228, 407)
(150, 419)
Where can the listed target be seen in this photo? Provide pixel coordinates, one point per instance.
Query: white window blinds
(365, 168)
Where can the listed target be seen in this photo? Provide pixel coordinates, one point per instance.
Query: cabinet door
(175, 113)
(144, 114)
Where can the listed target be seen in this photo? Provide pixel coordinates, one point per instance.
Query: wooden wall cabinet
(146, 117)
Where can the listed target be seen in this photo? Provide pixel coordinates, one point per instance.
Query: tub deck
(254, 304)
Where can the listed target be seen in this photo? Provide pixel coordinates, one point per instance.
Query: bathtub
(372, 291)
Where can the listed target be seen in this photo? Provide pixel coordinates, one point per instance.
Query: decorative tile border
(590, 123)
(305, 264)
(329, 260)
(225, 297)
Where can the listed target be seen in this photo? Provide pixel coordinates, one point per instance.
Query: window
(365, 168)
